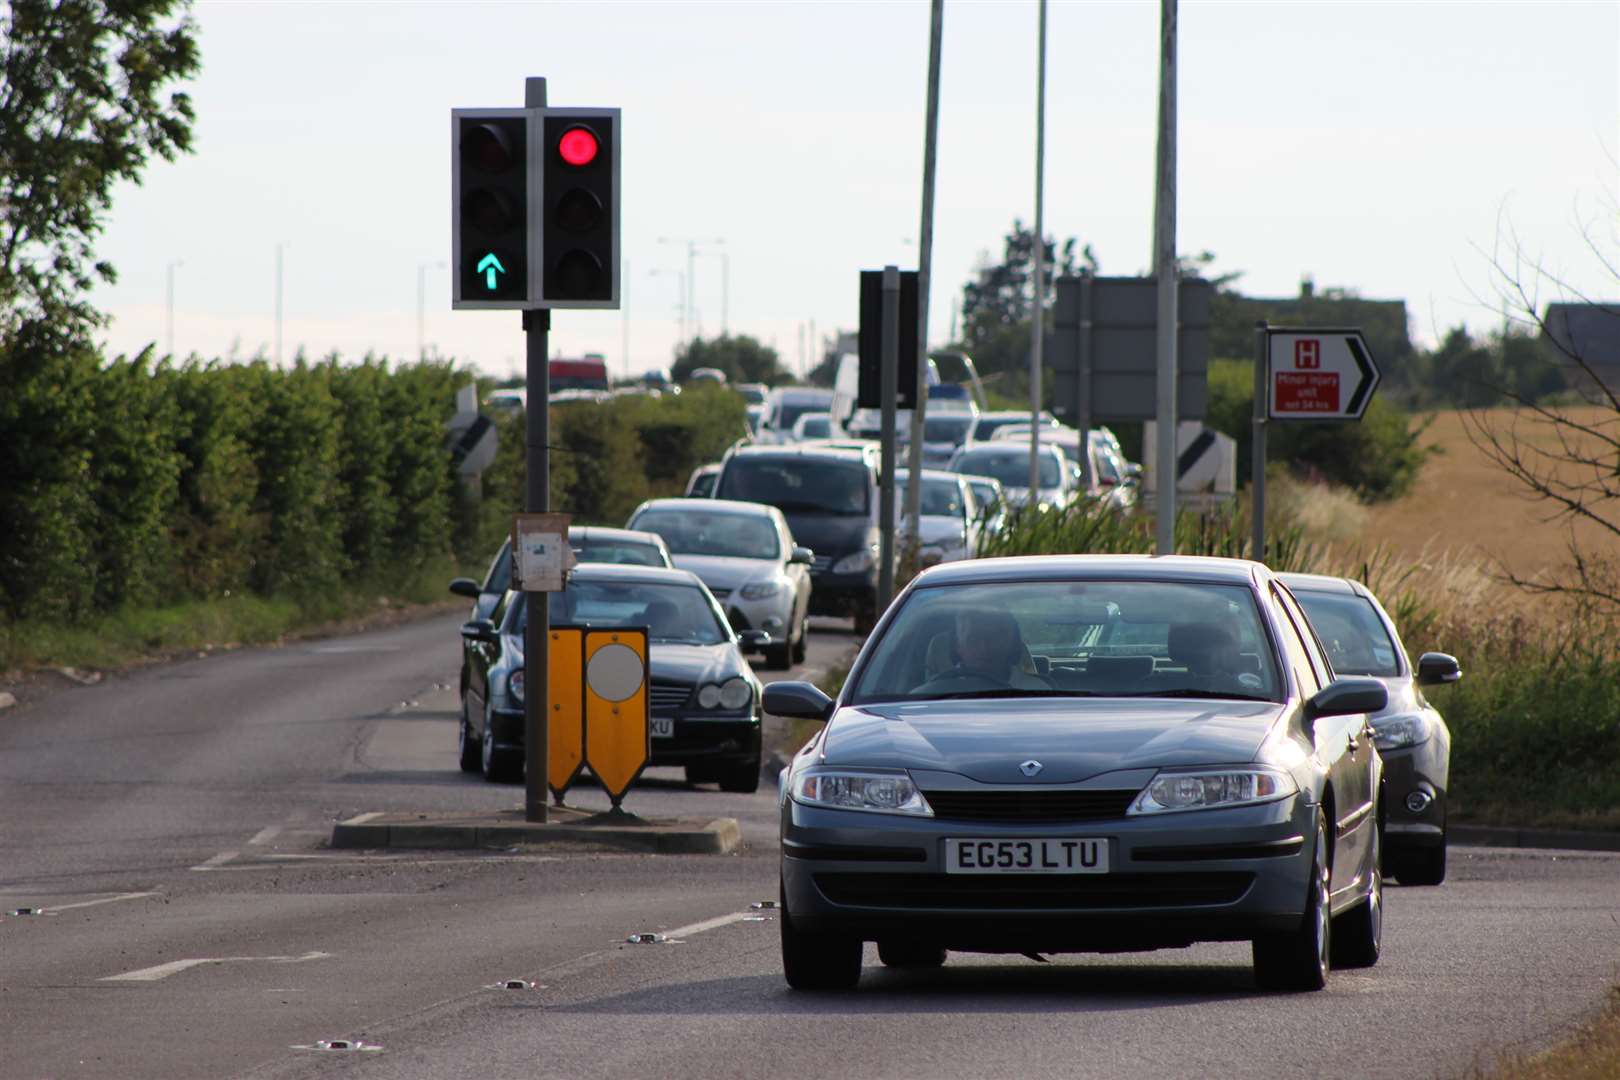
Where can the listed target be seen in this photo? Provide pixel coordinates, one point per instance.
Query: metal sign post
(891, 362)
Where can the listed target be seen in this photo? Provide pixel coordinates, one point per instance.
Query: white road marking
(266, 834)
(363, 818)
(218, 860)
(339, 649)
(53, 909)
(163, 971)
(706, 924)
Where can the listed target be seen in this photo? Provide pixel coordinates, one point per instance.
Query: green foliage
(1382, 322)
(84, 93)
(1468, 373)
(996, 304)
(742, 358)
(216, 529)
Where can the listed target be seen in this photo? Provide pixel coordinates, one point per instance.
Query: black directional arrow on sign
(1319, 374)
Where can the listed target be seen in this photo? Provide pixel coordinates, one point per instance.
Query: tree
(742, 358)
(84, 90)
(996, 304)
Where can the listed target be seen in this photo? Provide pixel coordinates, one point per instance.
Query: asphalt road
(170, 828)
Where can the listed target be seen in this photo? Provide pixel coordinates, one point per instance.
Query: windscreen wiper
(1200, 695)
(1004, 692)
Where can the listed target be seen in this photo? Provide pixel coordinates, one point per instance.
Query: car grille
(1039, 892)
(820, 564)
(668, 697)
(1037, 805)
(720, 594)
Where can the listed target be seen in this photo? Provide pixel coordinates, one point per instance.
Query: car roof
(836, 453)
(1200, 568)
(604, 532)
(932, 474)
(715, 506)
(650, 575)
(1323, 583)
(1005, 449)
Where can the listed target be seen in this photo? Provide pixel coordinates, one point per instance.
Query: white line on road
(266, 834)
(92, 903)
(163, 971)
(218, 860)
(707, 924)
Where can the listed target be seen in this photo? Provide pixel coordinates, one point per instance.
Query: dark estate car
(1084, 754)
(830, 499)
(1411, 736)
(704, 698)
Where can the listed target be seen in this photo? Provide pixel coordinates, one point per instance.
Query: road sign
(1325, 374)
(618, 741)
(565, 661)
(1104, 343)
(870, 394)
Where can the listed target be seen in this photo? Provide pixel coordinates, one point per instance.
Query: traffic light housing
(577, 152)
(490, 192)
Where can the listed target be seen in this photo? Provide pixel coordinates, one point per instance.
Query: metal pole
(624, 317)
(691, 287)
(891, 388)
(1082, 404)
(925, 263)
(1257, 446)
(537, 497)
(1038, 320)
(278, 305)
(421, 315)
(1164, 251)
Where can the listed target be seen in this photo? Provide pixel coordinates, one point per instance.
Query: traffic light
(579, 208)
(490, 195)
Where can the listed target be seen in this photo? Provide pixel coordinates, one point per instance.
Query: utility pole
(925, 261)
(624, 321)
(1164, 257)
(537, 499)
(1038, 323)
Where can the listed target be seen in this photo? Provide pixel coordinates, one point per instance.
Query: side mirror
(797, 701)
(753, 639)
(479, 630)
(802, 556)
(1345, 697)
(1437, 669)
(465, 586)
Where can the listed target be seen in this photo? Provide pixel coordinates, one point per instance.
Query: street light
(169, 275)
(690, 316)
(421, 304)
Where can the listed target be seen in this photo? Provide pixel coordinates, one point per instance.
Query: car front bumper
(773, 614)
(699, 738)
(1408, 772)
(1172, 880)
(843, 594)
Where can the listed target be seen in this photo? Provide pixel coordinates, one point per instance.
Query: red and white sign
(1318, 375)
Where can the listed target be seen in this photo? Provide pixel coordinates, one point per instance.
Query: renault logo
(1030, 767)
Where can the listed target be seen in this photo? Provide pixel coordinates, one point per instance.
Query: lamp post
(689, 316)
(421, 304)
(169, 304)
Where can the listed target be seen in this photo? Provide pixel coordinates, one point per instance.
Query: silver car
(745, 554)
(1084, 754)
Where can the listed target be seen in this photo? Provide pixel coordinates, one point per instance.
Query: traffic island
(568, 827)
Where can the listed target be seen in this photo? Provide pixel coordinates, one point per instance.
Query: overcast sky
(1379, 147)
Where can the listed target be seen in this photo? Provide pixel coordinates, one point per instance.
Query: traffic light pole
(891, 391)
(537, 499)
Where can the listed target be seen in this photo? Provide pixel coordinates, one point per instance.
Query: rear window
(1012, 469)
(1351, 632)
(625, 553)
(798, 484)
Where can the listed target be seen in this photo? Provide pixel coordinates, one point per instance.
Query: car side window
(1307, 634)
(1294, 647)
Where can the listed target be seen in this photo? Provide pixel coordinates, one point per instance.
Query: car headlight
(1211, 788)
(1400, 730)
(733, 694)
(884, 792)
(761, 590)
(514, 684)
(857, 561)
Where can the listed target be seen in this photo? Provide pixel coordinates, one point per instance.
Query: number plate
(1033, 855)
(662, 727)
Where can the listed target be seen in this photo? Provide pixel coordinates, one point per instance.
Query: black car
(830, 499)
(704, 698)
(1412, 738)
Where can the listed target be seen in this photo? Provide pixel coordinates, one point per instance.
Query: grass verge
(133, 636)
(1593, 1053)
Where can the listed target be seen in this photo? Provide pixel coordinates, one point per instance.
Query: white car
(744, 553)
(948, 526)
(1009, 463)
(1111, 477)
(812, 425)
(784, 407)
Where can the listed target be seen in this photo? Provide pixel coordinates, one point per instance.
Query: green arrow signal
(489, 266)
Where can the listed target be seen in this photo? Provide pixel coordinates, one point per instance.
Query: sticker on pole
(541, 555)
(1318, 374)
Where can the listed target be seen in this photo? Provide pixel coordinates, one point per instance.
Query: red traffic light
(577, 146)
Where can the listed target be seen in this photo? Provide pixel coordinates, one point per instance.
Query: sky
(1387, 148)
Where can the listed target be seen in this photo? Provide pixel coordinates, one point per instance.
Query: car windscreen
(1130, 638)
(1011, 468)
(1351, 632)
(946, 429)
(797, 484)
(623, 552)
(675, 614)
(688, 531)
(940, 498)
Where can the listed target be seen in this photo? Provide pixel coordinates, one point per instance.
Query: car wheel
(1419, 866)
(471, 751)
(821, 961)
(801, 648)
(1299, 959)
(497, 764)
(779, 657)
(910, 954)
(1358, 934)
(742, 777)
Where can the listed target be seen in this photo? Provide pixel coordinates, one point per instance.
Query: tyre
(499, 766)
(1358, 934)
(779, 657)
(818, 961)
(1419, 866)
(801, 648)
(910, 954)
(742, 777)
(1299, 959)
(471, 751)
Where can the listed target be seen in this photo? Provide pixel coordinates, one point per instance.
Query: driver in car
(985, 648)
